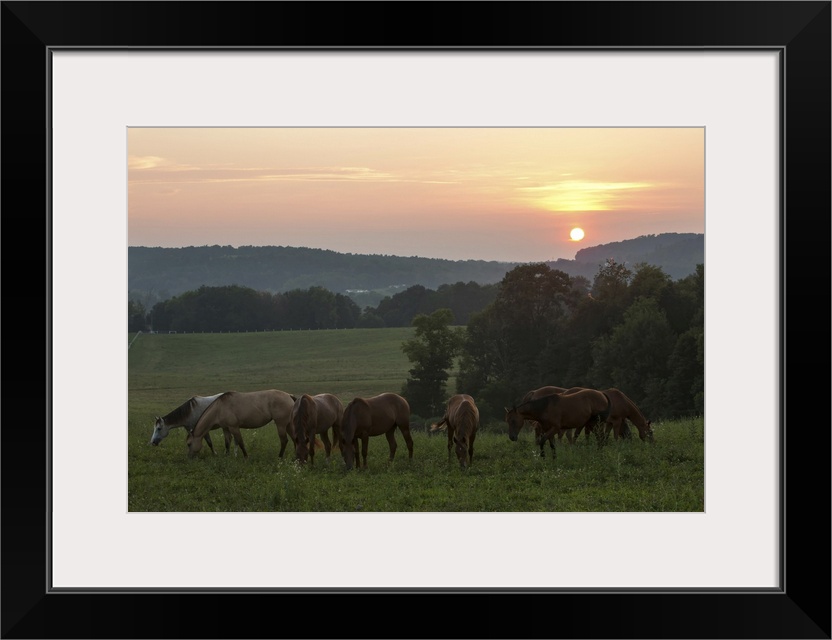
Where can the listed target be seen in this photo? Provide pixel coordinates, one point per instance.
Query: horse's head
(194, 444)
(348, 453)
(160, 430)
(515, 423)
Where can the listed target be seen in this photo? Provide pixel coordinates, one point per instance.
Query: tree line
(634, 329)
(238, 308)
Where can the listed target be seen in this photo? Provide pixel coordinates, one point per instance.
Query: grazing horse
(235, 410)
(365, 417)
(571, 434)
(186, 415)
(462, 419)
(312, 416)
(623, 409)
(558, 412)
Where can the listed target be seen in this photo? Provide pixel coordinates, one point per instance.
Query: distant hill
(157, 273)
(676, 253)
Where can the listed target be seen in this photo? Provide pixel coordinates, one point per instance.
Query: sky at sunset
(506, 194)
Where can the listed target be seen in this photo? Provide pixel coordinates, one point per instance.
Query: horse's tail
(606, 412)
(442, 425)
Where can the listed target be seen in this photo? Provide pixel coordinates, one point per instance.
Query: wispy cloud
(581, 195)
(162, 173)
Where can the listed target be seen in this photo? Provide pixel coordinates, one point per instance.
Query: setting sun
(576, 234)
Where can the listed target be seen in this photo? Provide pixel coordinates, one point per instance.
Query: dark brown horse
(365, 417)
(316, 415)
(462, 419)
(558, 412)
(571, 434)
(235, 410)
(621, 410)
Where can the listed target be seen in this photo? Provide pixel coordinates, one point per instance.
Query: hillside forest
(637, 329)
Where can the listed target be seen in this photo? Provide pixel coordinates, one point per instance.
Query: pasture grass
(165, 370)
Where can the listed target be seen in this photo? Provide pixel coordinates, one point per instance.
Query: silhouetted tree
(432, 352)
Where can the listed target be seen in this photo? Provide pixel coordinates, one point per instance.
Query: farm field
(166, 370)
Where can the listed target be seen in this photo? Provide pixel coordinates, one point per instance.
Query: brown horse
(365, 417)
(621, 410)
(571, 434)
(462, 419)
(558, 412)
(236, 410)
(315, 415)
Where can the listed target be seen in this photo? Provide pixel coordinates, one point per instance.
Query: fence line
(133, 340)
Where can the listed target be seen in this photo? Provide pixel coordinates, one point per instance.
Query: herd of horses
(310, 419)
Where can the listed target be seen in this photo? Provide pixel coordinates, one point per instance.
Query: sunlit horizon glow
(505, 194)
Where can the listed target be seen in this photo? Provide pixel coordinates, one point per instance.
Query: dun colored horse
(365, 417)
(236, 410)
(312, 416)
(186, 415)
(462, 419)
(623, 409)
(558, 412)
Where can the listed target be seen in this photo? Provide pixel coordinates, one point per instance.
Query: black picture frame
(800, 608)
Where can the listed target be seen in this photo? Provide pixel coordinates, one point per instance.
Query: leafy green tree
(432, 352)
(634, 356)
(515, 344)
(136, 316)
(346, 311)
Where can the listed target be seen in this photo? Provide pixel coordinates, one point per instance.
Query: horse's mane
(346, 423)
(182, 411)
(536, 404)
(633, 408)
(303, 409)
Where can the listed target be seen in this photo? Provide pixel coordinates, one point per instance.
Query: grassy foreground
(166, 370)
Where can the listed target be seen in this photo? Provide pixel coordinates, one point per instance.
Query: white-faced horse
(186, 415)
(235, 410)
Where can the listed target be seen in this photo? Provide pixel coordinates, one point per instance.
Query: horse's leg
(327, 446)
(209, 443)
(450, 431)
(408, 439)
(226, 435)
(284, 439)
(365, 443)
(391, 440)
(471, 447)
(616, 429)
(238, 438)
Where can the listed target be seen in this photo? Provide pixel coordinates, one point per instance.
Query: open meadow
(165, 370)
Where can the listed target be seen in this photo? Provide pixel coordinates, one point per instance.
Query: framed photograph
(754, 75)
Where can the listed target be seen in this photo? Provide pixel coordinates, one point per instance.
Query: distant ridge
(676, 253)
(161, 273)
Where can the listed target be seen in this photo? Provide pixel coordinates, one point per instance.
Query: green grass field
(166, 370)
